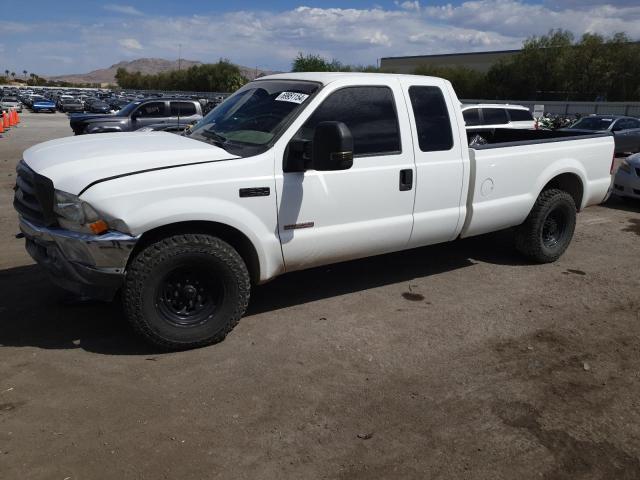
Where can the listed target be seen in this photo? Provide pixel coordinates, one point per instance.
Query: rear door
(149, 113)
(326, 217)
(438, 152)
(183, 111)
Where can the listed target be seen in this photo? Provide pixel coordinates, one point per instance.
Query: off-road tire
(529, 235)
(146, 281)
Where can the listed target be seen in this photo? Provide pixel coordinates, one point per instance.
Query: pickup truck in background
(497, 116)
(139, 114)
(292, 171)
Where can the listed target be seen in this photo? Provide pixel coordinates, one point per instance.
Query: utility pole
(179, 56)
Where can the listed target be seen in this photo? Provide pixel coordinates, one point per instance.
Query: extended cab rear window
(432, 119)
(370, 114)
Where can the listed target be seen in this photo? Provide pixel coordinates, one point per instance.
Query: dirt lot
(458, 361)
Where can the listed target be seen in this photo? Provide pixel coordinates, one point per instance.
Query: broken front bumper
(88, 265)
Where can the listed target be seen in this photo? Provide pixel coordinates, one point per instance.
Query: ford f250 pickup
(292, 171)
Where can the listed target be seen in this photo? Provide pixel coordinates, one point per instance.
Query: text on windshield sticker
(292, 97)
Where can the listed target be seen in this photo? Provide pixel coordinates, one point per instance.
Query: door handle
(406, 179)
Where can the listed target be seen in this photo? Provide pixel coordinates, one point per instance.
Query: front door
(327, 217)
(149, 113)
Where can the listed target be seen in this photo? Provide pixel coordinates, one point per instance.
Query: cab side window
(370, 114)
(151, 109)
(432, 119)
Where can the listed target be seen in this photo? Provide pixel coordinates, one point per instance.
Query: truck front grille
(33, 198)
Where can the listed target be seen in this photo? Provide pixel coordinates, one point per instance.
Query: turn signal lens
(99, 227)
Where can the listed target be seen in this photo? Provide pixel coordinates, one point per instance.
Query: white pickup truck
(292, 171)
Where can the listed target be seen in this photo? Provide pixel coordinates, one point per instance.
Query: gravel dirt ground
(457, 361)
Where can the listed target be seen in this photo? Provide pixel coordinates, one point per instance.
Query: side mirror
(332, 147)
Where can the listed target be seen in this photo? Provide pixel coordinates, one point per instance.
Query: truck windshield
(250, 120)
(592, 123)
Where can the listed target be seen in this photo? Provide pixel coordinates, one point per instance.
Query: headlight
(625, 167)
(75, 214)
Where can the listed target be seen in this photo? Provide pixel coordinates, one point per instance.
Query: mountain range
(149, 66)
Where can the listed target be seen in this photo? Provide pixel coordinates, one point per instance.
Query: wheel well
(231, 235)
(570, 183)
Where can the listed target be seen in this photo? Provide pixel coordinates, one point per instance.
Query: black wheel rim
(188, 296)
(555, 228)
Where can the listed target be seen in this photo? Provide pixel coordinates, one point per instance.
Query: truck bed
(508, 173)
(509, 137)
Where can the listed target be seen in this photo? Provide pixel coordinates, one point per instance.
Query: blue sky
(73, 36)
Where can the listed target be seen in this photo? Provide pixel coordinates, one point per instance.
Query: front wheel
(548, 230)
(186, 291)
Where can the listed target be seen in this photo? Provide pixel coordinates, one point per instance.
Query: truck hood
(73, 163)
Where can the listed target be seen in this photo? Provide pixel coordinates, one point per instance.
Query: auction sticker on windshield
(292, 97)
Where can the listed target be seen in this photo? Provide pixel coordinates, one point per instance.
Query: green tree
(467, 83)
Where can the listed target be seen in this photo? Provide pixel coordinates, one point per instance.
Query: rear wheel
(186, 291)
(548, 230)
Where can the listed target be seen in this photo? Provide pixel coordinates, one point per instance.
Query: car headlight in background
(74, 214)
(625, 167)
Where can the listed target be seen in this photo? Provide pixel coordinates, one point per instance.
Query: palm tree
(24, 72)
(6, 72)
(13, 74)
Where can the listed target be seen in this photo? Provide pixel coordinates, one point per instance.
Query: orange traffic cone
(5, 119)
(17, 117)
(1, 127)
(12, 118)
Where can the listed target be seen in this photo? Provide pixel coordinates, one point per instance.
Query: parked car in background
(98, 106)
(626, 183)
(62, 98)
(72, 105)
(42, 104)
(10, 102)
(293, 171)
(139, 114)
(497, 116)
(626, 130)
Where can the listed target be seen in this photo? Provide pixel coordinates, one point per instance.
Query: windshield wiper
(216, 137)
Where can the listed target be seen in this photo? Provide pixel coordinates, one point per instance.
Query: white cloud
(125, 9)
(130, 43)
(272, 39)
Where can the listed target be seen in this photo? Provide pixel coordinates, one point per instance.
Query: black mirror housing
(332, 147)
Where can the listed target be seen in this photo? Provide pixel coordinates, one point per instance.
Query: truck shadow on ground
(33, 312)
(626, 205)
